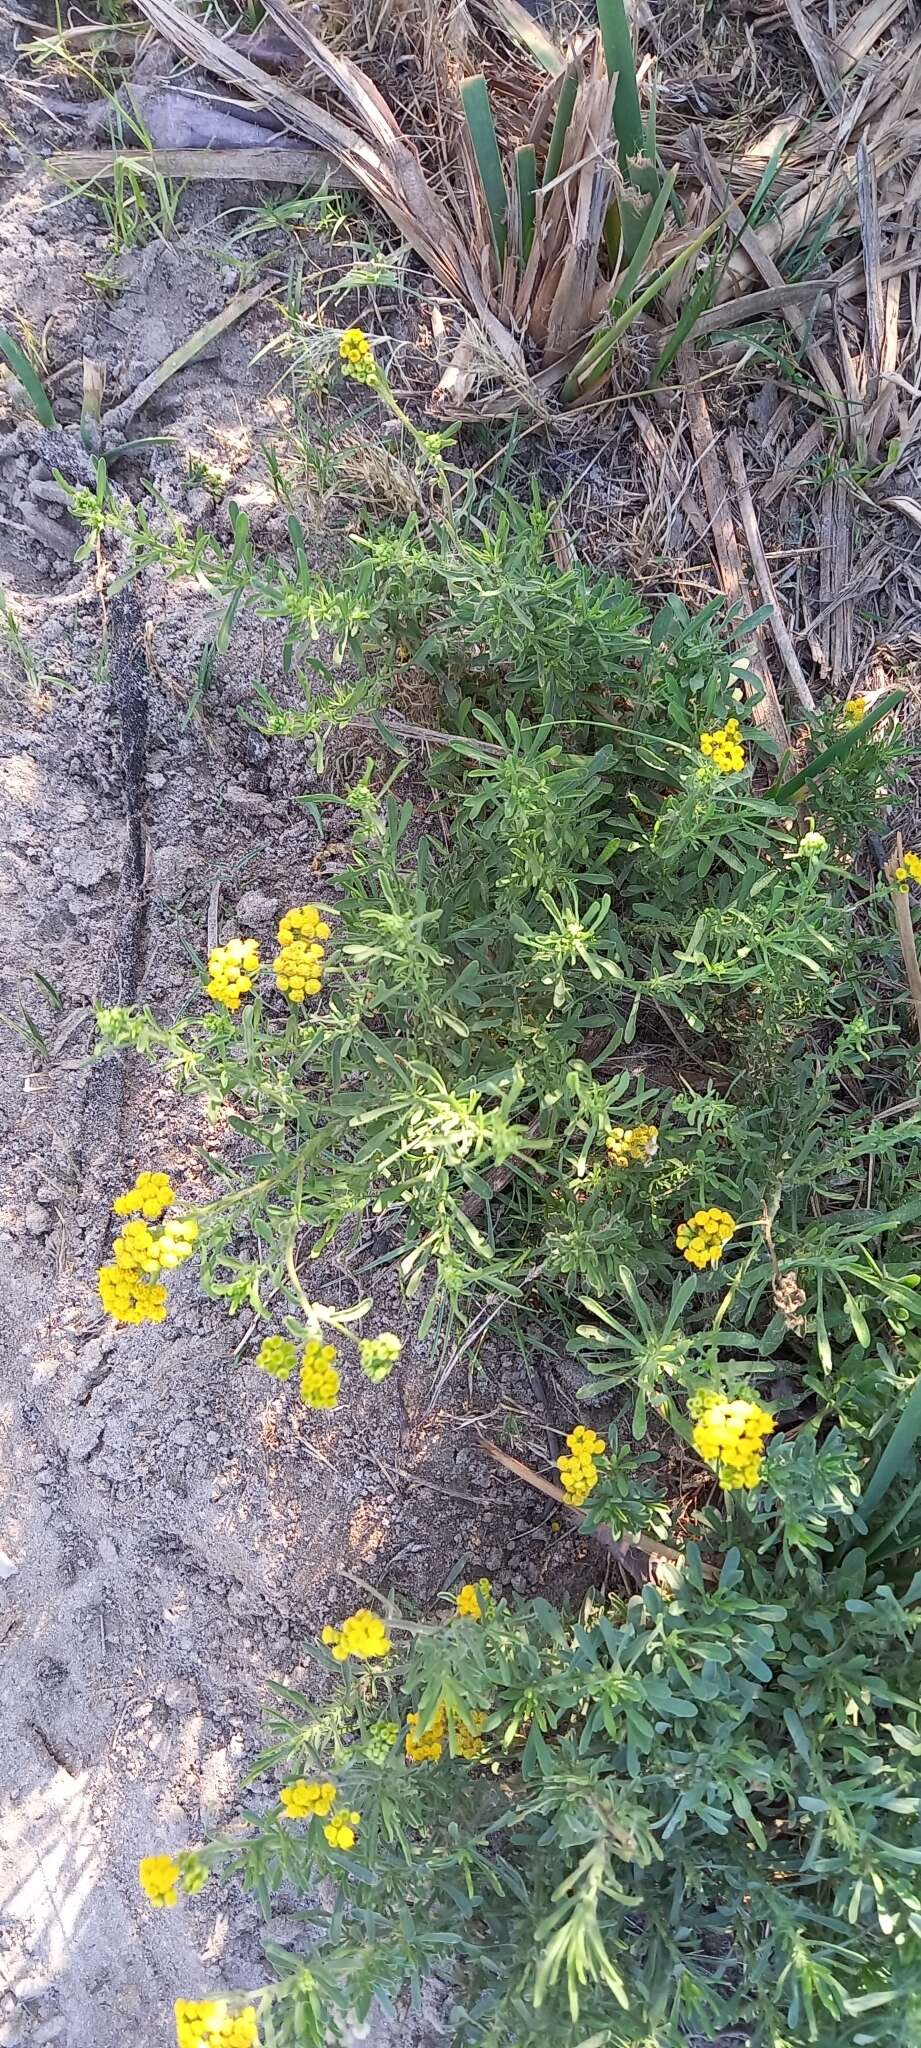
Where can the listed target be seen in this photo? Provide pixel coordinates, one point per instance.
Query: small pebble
(37, 1220)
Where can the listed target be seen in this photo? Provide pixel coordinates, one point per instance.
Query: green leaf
(617, 39)
(526, 182)
(482, 131)
(840, 748)
(22, 370)
(561, 120)
(895, 1455)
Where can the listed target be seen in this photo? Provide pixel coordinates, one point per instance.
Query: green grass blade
(561, 120)
(22, 370)
(700, 298)
(526, 182)
(618, 56)
(840, 748)
(895, 1454)
(627, 284)
(482, 130)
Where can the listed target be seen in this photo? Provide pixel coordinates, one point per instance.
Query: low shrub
(607, 1024)
(690, 1816)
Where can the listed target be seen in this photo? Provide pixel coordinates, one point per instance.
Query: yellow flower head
(340, 1831)
(151, 1194)
(319, 1381)
(908, 870)
(213, 2023)
(578, 1471)
(361, 1634)
(128, 1297)
(426, 1748)
(298, 970)
(704, 1237)
(158, 1877)
(356, 356)
(306, 921)
(231, 969)
(471, 1601)
(277, 1355)
(306, 1797)
(723, 747)
(730, 1436)
(854, 710)
(632, 1148)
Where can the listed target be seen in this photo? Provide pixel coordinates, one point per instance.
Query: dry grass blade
(269, 166)
(868, 205)
(865, 28)
(729, 560)
(761, 566)
(819, 52)
(521, 28)
(118, 417)
(878, 423)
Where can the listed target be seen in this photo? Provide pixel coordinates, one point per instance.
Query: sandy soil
(172, 1529)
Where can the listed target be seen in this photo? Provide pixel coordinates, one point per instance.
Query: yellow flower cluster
(730, 1436)
(428, 1748)
(129, 1298)
(723, 747)
(277, 1355)
(472, 1601)
(702, 1240)
(298, 970)
(151, 1194)
(158, 1877)
(908, 870)
(319, 1380)
(362, 1634)
(377, 1356)
(298, 967)
(340, 1831)
(356, 356)
(212, 2023)
(854, 710)
(127, 1287)
(137, 1249)
(307, 1797)
(632, 1148)
(578, 1471)
(231, 971)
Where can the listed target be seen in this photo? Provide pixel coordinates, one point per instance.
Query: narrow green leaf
(839, 749)
(617, 39)
(895, 1454)
(526, 182)
(561, 120)
(482, 131)
(22, 370)
(686, 322)
(627, 284)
